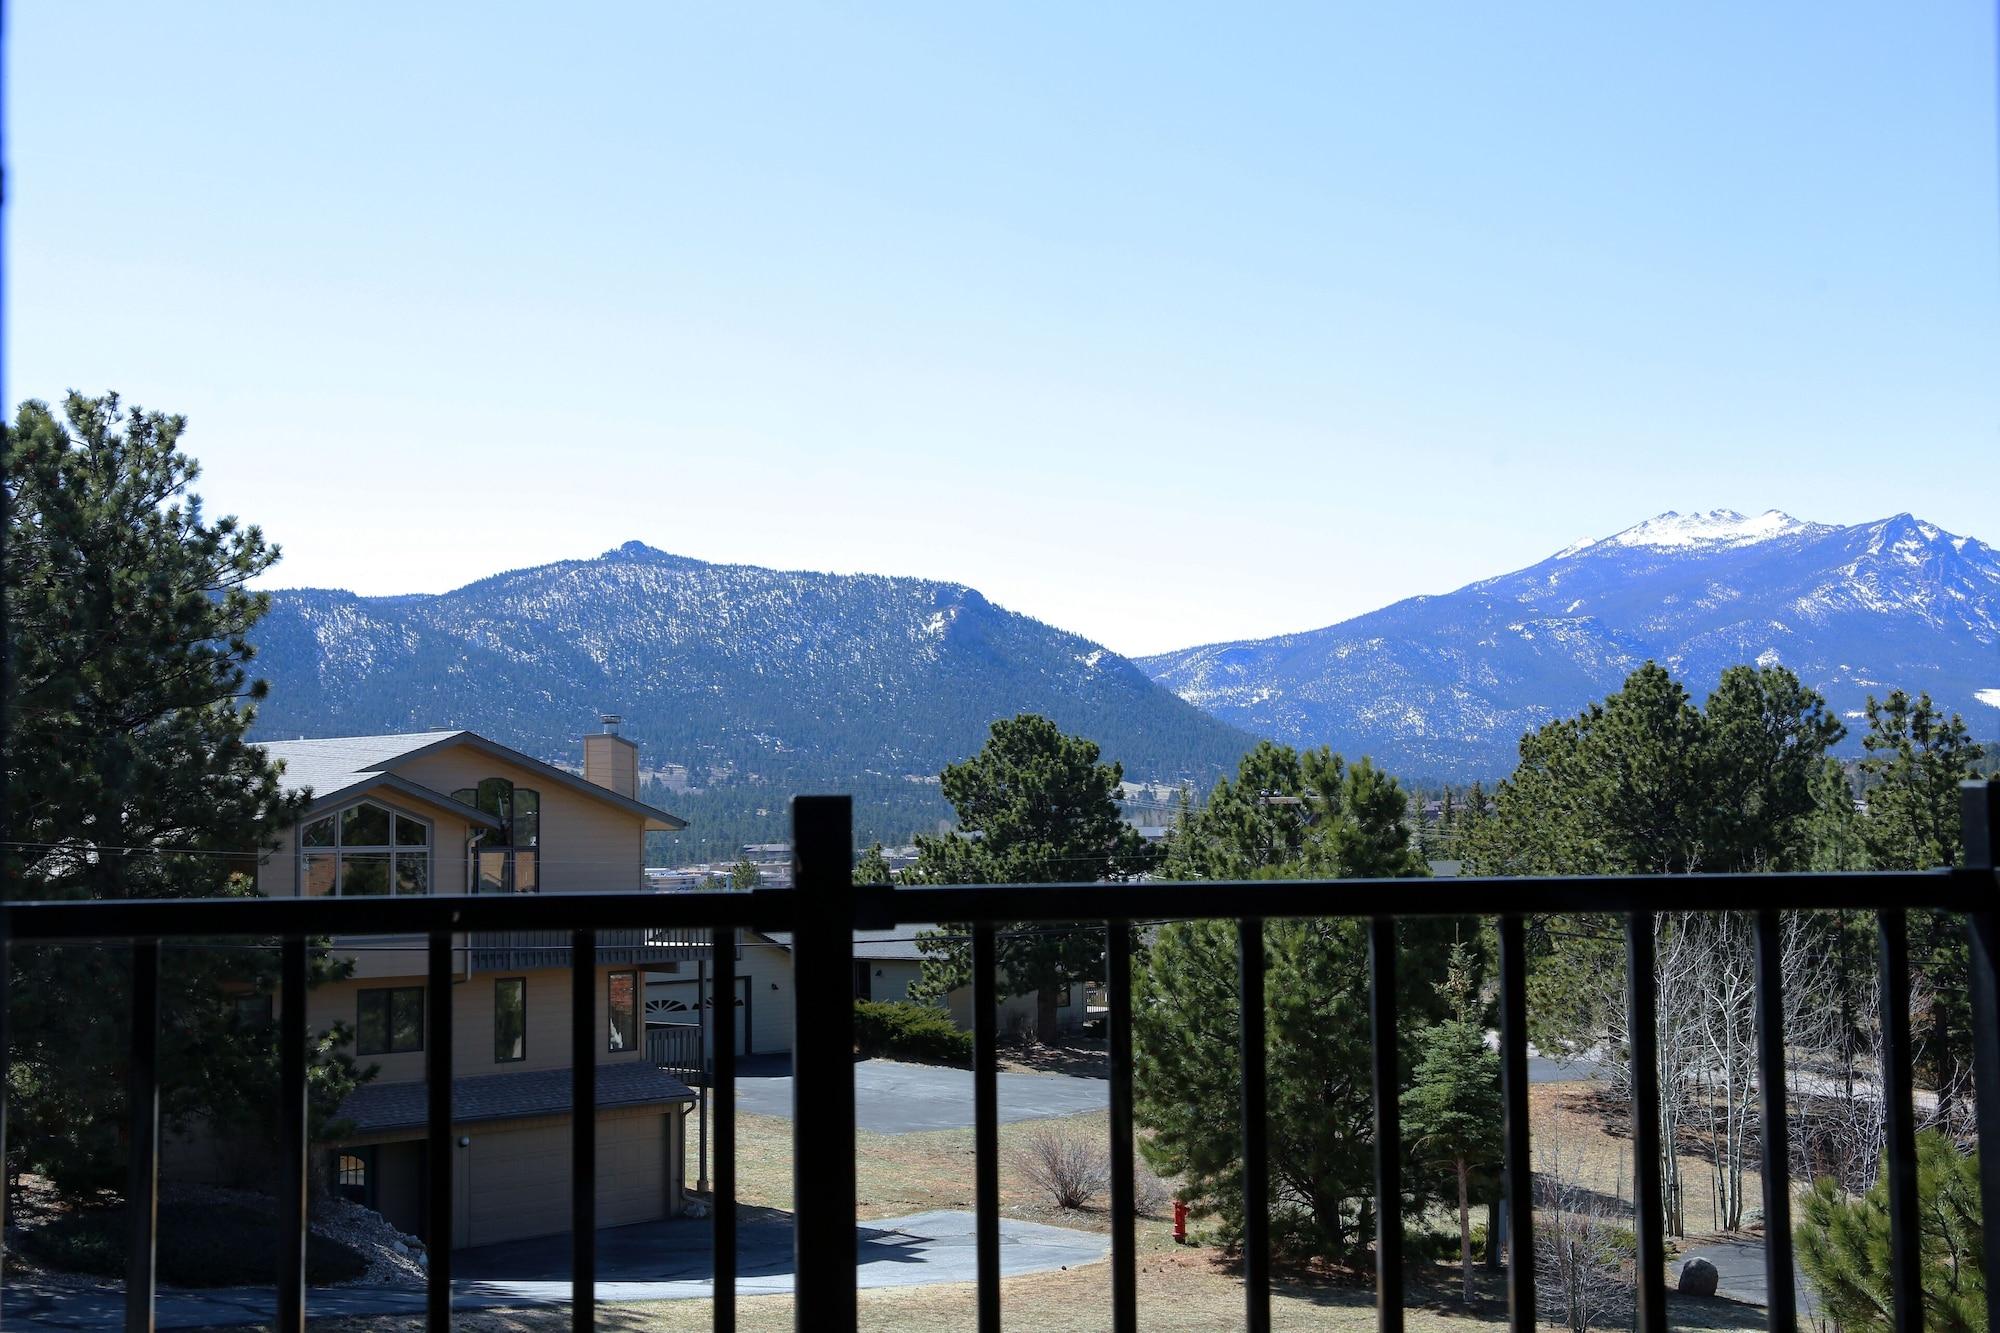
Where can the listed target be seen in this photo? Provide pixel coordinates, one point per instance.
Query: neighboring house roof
(897, 942)
(378, 1108)
(336, 766)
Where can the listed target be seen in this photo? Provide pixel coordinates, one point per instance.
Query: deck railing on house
(639, 946)
(824, 910)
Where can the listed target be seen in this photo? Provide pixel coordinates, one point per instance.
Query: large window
(389, 1022)
(621, 1003)
(365, 850)
(510, 1019)
(352, 1179)
(507, 859)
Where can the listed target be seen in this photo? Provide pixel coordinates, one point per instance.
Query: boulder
(1698, 1277)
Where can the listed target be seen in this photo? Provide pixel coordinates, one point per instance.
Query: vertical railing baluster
(292, 1134)
(583, 1127)
(1256, 1125)
(440, 1150)
(986, 1128)
(6, 1038)
(823, 1233)
(1383, 1044)
(722, 949)
(1899, 1120)
(1118, 1022)
(1648, 1201)
(1979, 806)
(1519, 1185)
(142, 1180)
(1780, 1300)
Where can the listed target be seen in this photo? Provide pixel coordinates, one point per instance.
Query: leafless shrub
(1071, 1170)
(1583, 1247)
(1150, 1195)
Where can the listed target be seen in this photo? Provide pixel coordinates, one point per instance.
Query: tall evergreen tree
(1451, 1111)
(128, 775)
(1917, 756)
(1035, 806)
(1285, 815)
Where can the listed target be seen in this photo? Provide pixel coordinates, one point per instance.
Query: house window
(252, 1012)
(510, 1019)
(1063, 998)
(352, 1178)
(365, 850)
(508, 859)
(389, 1022)
(621, 1004)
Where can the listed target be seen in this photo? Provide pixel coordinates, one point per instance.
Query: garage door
(516, 1182)
(674, 1002)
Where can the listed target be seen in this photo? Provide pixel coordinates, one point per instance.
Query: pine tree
(1916, 758)
(1843, 1245)
(872, 867)
(129, 777)
(1035, 806)
(1285, 815)
(1451, 1111)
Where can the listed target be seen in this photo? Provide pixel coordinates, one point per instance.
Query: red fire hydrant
(1180, 1221)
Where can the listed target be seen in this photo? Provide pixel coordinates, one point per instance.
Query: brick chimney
(610, 760)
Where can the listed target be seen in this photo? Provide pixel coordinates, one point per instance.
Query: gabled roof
(378, 1108)
(896, 942)
(336, 765)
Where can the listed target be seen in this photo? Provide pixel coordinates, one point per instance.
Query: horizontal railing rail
(826, 908)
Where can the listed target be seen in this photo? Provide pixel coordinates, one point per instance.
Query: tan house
(888, 963)
(451, 812)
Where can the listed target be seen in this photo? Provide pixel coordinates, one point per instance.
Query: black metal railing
(824, 910)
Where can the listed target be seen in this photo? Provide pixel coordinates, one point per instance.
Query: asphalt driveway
(891, 1097)
(895, 1098)
(653, 1261)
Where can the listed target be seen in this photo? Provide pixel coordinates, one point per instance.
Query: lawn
(1180, 1288)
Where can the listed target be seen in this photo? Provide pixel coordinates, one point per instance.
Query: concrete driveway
(895, 1098)
(653, 1261)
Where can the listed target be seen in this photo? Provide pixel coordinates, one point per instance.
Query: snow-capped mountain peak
(1716, 528)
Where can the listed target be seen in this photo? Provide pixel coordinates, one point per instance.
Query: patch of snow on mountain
(1717, 528)
(1988, 697)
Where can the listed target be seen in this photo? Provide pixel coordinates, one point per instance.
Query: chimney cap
(610, 722)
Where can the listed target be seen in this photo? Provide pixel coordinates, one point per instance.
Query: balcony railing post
(823, 1064)
(583, 1127)
(1648, 1199)
(722, 1098)
(1252, 1051)
(142, 1180)
(440, 1150)
(1979, 804)
(1118, 1037)
(1384, 1045)
(1780, 1300)
(1899, 1121)
(1519, 1190)
(292, 1134)
(986, 1129)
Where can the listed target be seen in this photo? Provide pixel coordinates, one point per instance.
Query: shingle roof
(897, 942)
(341, 761)
(336, 763)
(376, 1108)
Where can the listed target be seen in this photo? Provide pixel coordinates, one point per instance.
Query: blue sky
(1162, 324)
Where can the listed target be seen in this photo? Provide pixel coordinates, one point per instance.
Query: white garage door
(674, 1002)
(517, 1181)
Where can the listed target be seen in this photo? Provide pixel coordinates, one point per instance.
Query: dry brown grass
(1180, 1288)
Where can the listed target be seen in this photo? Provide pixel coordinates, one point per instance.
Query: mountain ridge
(1444, 684)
